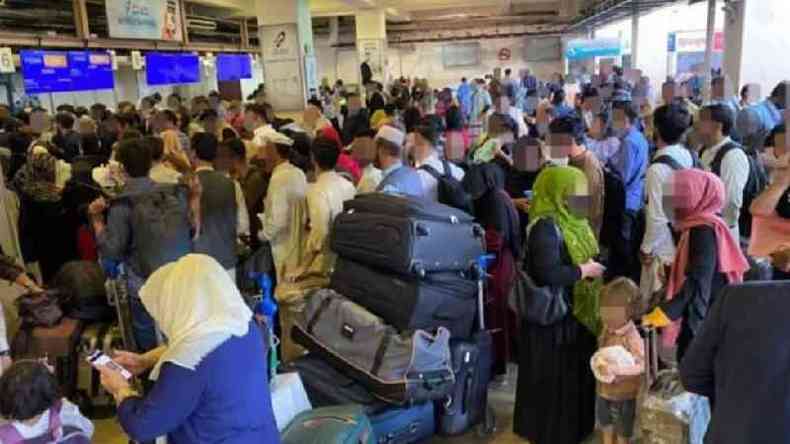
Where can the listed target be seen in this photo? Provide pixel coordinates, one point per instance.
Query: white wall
(764, 57)
(426, 61)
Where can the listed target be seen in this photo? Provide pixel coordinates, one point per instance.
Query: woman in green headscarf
(555, 395)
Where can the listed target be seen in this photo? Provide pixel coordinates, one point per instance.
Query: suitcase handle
(422, 230)
(651, 356)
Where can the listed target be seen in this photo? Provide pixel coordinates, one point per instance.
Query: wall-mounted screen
(231, 67)
(457, 55)
(60, 71)
(91, 70)
(172, 68)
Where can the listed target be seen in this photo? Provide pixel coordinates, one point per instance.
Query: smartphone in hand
(100, 359)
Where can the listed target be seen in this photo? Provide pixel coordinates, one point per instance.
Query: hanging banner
(145, 19)
(586, 48)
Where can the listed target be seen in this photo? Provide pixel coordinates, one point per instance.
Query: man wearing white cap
(396, 177)
(285, 198)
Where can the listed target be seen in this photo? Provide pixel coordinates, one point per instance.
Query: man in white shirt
(363, 150)
(726, 159)
(282, 221)
(423, 139)
(255, 120)
(325, 200)
(671, 123)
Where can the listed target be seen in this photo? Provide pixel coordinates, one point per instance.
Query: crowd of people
(635, 212)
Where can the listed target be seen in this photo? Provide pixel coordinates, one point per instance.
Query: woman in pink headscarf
(708, 258)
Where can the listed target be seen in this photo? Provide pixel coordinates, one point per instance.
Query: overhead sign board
(588, 48)
(145, 19)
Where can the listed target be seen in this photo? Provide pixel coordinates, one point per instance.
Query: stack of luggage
(396, 332)
(66, 323)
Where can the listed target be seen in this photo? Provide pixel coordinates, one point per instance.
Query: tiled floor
(501, 398)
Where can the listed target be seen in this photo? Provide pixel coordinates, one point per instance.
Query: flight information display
(231, 67)
(173, 68)
(91, 70)
(66, 71)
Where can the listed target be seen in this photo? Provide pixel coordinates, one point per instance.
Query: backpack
(451, 192)
(57, 433)
(83, 283)
(758, 180)
(40, 309)
(161, 230)
(670, 162)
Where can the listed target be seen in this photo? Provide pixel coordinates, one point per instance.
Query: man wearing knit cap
(396, 177)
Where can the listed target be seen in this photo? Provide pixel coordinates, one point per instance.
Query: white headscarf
(197, 306)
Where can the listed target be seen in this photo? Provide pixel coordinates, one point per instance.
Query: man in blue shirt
(756, 122)
(529, 82)
(396, 178)
(628, 164)
(465, 98)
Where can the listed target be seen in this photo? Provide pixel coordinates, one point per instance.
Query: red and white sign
(694, 41)
(504, 54)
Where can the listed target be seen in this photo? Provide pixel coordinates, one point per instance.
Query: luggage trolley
(265, 309)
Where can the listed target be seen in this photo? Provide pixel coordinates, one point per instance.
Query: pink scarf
(698, 197)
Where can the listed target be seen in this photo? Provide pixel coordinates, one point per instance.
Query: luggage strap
(434, 379)
(380, 352)
(317, 315)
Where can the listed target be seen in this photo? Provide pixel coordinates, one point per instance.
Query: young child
(619, 380)
(31, 403)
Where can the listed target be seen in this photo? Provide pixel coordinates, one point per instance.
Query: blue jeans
(143, 325)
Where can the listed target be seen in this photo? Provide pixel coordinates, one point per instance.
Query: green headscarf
(552, 188)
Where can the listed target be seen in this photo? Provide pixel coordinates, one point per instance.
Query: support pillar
(81, 19)
(709, 35)
(635, 36)
(372, 42)
(286, 38)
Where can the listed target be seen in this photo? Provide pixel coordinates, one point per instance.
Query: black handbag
(539, 305)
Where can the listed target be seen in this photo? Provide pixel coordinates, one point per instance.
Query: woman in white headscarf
(212, 377)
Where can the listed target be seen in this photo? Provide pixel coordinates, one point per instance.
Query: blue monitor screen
(91, 70)
(231, 67)
(59, 71)
(171, 68)
(45, 71)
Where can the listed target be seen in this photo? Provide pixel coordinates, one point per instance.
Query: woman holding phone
(211, 382)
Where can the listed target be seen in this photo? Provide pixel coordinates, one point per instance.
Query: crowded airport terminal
(394, 222)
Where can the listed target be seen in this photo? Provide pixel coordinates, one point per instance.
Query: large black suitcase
(467, 406)
(406, 235)
(407, 302)
(326, 386)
